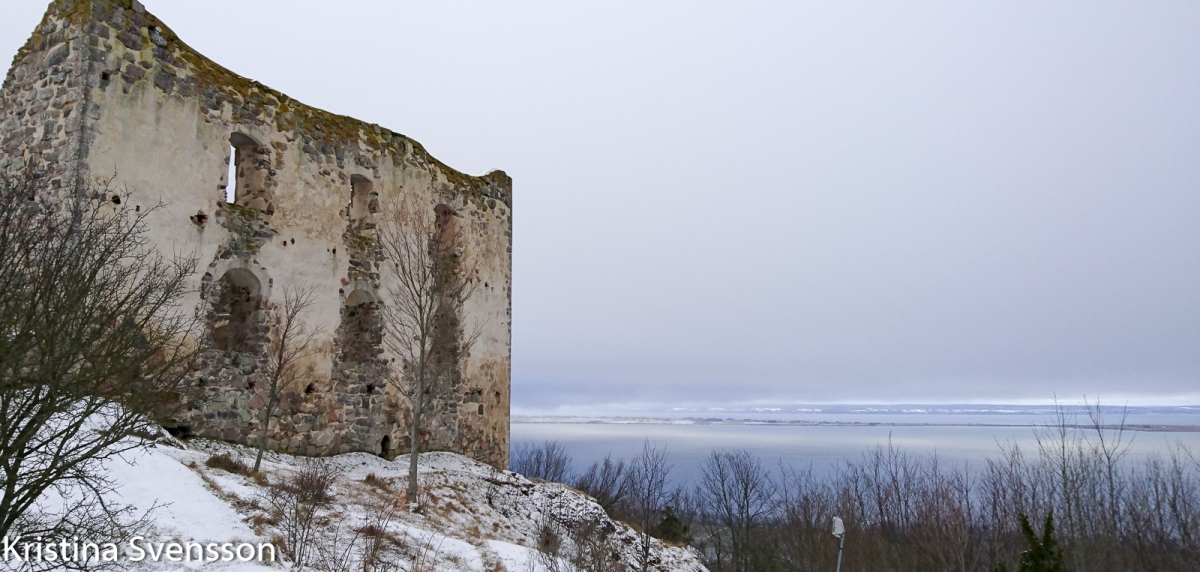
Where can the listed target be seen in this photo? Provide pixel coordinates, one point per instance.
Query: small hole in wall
(370, 388)
(481, 409)
(116, 199)
(342, 291)
(311, 388)
(137, 209)
(104, 76)
(293, 241)
(199, 217)
(335, 251)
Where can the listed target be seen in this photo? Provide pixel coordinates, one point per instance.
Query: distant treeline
(1104, 510)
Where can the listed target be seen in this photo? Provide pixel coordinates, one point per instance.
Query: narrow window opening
(231, 178)
(363, 202)
(244, 181)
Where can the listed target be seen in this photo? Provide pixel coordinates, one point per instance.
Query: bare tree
(293, 341)
(432, 278)
(93, 344)
(1111, 445)
(605, 481)
(548, 461)
(737, 495)
(647, 491)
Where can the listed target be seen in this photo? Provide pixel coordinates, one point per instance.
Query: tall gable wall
(104, 89)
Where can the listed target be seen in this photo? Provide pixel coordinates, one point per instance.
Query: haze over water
(845, 433)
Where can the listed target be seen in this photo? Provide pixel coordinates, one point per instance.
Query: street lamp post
(839, 530)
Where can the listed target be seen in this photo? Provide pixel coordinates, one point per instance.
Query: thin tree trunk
(262, 440)
(413, 434)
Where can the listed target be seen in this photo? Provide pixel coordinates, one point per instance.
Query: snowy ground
(472, 517)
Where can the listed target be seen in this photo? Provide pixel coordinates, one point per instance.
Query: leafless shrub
(368, 548)
(549, 538)
(336, 552)
(906, 512)
(585, 545)
(295, 503)
(492, 493)
(313, 483)
(548, 461)
(605, 481)
(424, 551)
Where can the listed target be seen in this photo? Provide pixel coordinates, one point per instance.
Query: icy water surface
(822, 446)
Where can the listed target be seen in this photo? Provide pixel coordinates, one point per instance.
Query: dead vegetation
(227, 462)
(915, 512)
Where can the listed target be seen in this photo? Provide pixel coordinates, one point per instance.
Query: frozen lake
(822, 446)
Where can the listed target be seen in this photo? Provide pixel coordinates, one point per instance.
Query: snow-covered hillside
(472, 516)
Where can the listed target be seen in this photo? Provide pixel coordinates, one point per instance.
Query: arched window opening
(236, 303)
(385, 447)
(362, 331)
(363, 202)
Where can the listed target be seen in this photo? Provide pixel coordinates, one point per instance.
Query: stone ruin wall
(103, 89)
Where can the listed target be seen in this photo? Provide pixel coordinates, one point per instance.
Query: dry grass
(379, 483)
(261, 479)
(228, 463)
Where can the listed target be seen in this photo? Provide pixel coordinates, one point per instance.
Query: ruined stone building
(104, 88)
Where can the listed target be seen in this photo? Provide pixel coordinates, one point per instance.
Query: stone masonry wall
(104, 88)
(44, 100)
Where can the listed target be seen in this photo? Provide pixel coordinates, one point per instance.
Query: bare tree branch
(94, 343)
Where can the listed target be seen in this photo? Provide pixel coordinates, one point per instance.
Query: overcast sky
(837, 202)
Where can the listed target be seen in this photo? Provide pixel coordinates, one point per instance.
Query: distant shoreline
(575, 420)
